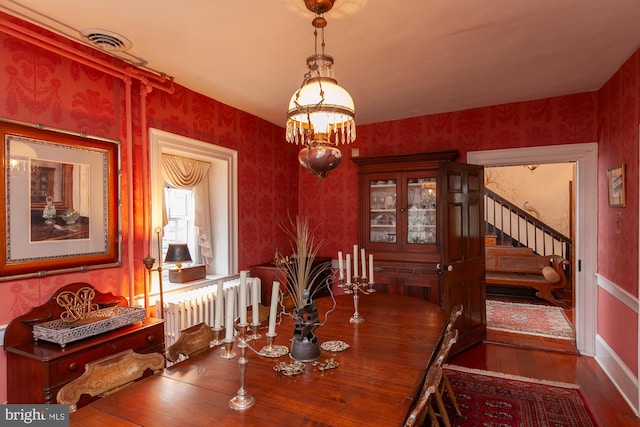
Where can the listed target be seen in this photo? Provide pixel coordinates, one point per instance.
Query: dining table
(380, 368)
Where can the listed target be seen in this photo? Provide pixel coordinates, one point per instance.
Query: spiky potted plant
(302, 274)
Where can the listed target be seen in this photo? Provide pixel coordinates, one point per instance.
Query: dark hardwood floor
(553, 360)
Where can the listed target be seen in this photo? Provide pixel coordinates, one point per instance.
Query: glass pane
(382, 211)
(421, 220)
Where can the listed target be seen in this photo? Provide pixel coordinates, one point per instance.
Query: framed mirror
(61, 192)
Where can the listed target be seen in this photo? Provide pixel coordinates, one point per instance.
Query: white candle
(228, 323)
(371, 268)
(348, 269)
(364, 263)
(340, 265)
(243, 298)
(275, 294)
(255, 295)
(355, 260)
(219, 307)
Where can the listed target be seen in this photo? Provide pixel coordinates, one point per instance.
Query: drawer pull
(417, 272)
(73, 366)
(378, 269)
(151, 338)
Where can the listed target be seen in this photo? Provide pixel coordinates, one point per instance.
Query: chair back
(109, 374)
(422, 407)
(191, 340)
(449, 339)
(453, 316)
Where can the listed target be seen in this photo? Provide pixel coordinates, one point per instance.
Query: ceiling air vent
(106, 40)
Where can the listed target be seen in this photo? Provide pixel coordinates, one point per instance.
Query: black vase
(305, 346)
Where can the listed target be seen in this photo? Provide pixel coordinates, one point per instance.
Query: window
(180, 228)
(222, 180)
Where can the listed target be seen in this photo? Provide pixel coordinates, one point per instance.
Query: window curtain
(184, 173)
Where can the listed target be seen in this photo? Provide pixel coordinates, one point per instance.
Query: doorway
(534, 209)
(585, 157)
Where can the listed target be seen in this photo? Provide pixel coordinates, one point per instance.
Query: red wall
(562, 120)
(42, 87)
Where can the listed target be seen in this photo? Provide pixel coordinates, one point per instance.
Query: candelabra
(242, 400)
(356, 286)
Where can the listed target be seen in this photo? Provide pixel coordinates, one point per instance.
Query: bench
(520, 267)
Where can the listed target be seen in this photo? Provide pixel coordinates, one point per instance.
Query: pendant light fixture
(321, 113)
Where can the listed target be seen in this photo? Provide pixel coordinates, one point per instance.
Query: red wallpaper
(42, 87)
(619, 116)
(562, 120)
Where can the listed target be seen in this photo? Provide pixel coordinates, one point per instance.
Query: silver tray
(97, 322)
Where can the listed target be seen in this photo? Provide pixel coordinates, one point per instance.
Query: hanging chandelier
(321, 113)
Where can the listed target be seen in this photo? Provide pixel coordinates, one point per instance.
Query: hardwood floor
(553, 360)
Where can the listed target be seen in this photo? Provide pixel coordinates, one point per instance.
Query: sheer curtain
(184, 173)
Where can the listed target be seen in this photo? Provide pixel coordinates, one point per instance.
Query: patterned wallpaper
(42, 87)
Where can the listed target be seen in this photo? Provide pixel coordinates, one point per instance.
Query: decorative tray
(96, 322)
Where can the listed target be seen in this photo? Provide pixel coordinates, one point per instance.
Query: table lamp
(178, 253)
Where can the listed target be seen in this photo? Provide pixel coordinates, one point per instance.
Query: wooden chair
(423, 407)
(191, 341)
(453, 316)
(450, 338)
(105, 376)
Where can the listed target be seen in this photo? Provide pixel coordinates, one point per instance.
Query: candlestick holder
(254, 331)
(227, 351)
(242, 400)
(218, 334)
(356, 286)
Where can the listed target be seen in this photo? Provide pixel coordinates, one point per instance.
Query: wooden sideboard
(269, 272)
(36, 370)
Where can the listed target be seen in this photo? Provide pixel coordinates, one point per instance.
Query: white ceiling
(398, 59)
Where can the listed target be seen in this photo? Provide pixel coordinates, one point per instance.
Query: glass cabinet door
(421, 211)
(382, 211)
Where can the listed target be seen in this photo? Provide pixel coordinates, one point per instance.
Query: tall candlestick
(219, 300)
(364, 263)
(243, 298)
(255, 295)
(355, 260)
(348, 269)
(340, 265)
(371, 268)
(228, 322)
(275, 294)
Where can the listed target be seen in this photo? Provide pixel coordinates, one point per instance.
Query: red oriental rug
(499, 400)
(532, 319)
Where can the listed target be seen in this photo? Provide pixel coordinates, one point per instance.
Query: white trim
(586, 158)
(224, 182)
(2, 329)
(621, 376)
(617, 292)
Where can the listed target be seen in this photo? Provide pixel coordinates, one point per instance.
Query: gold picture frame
(61, 193)
(616, 186)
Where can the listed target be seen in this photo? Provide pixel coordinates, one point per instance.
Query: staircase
(514, 226)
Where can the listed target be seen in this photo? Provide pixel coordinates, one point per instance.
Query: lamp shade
(321, 106)
(177, 253)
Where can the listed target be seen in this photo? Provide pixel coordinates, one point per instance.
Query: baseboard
(621, 376)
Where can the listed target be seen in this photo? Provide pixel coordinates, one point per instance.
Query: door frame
(585, 156)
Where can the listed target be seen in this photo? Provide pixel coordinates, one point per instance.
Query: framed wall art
(616, 185)
(61, 194)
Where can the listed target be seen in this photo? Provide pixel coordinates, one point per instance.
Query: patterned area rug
(493, 399)
(544, 321)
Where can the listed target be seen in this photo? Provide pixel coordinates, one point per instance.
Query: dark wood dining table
(375, 384)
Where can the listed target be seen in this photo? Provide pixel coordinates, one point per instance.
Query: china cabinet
(420, 215)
